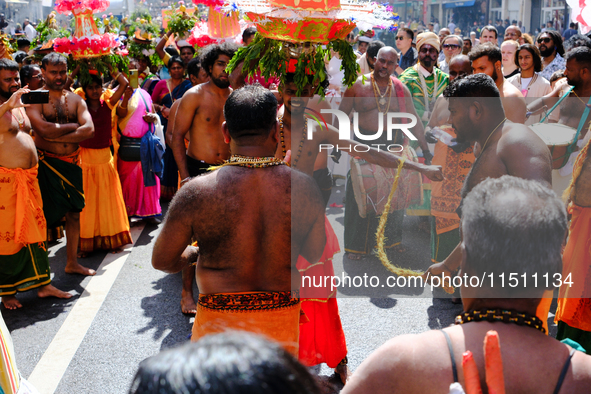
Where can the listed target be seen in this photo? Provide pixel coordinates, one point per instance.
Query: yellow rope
(380, 238)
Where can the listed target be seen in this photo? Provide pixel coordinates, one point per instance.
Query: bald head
(458, 66)
(386, 62)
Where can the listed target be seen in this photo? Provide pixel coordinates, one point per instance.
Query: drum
(559, 138)
(372, 185)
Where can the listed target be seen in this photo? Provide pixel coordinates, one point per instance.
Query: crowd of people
(243, 166)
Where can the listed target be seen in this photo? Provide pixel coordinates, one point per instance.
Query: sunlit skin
(36, 82)
(508, 50)
(187, 53)
(547, 48)
(526, 63)
(443, 33)
(451, 47)
(512, 33)
(362, 47)
(488, 36)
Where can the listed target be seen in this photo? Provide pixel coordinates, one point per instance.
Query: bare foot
(354, 256)
(343, 371)
(51, 291)
(76, 268)
(10, 302)
(82, 255)
(115, 251)
(188, 305)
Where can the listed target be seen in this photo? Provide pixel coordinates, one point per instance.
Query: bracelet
(187, 179)
(122, 107)
(116, 77)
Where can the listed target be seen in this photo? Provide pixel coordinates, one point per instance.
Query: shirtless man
(361, 98)
(502, 148)
(20, 261)
(511, 226)
(241, 219)
(201, 115)
(487, 59)
(59, 126)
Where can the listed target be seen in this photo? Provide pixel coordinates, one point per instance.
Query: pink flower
(123, 52)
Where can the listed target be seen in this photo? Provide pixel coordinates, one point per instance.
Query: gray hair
(458, 38)
(513, 225)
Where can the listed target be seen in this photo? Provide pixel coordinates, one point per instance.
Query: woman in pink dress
(135, 117)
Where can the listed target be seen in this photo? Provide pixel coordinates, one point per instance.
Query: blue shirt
(409, 59)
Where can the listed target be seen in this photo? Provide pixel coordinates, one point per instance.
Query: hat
(363, 39)
(428, 38)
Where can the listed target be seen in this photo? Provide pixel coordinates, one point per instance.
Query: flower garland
(180, 21)
(272, 57)
(209, 3)
(69, 6)
(95, 45)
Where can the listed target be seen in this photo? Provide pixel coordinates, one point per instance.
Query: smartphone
(36, 97)
(133, 78)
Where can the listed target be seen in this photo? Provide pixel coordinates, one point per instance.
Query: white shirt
(30, 31)
(424, 71)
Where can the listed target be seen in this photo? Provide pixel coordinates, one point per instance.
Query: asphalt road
(93, 342)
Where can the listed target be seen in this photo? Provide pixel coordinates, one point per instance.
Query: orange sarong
(21, 210)
(574, 302)
(322, 339)
(103, 221)
(275, 315)
(446, 195)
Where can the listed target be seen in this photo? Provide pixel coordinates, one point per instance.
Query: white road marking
(55, 361)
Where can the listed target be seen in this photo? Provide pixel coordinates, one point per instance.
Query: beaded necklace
(502, 315)
(284, 148)
(66, 111)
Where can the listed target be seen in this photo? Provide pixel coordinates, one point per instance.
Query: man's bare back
(240, 218)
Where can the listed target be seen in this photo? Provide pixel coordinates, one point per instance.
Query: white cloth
(363, 65)
(538, 87)
(30, 32)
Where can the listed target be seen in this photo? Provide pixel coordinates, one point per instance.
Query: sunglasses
(400, 38)
(545, 40)
(451, 46)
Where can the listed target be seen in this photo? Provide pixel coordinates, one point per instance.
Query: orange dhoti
(322, 339)
(574, 301)
(24, 263)
(275, 315)
(103, 221)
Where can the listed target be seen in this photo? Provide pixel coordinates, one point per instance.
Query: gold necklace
(377, 92)
(250, 162)
(282, 134)
(505, 316)
(21, 125)
(490, 135)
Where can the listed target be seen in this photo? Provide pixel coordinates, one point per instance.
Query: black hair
(474, 85)
(22, 42)
(7, 64)
(193, 67)
(373, 48)
(490, 28)
(248, 32)
(172, 51)
(187, 46)
(20, 58)
(250, 113)
(53, 59)
(487, 49)
(211, 53)
(535, 54)
(578, 40)
(557, 38)
(556, 75)
(408, 32)
(232, 362)
(580, 54)
(26, 73)
(92, 79)
(175, 59)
